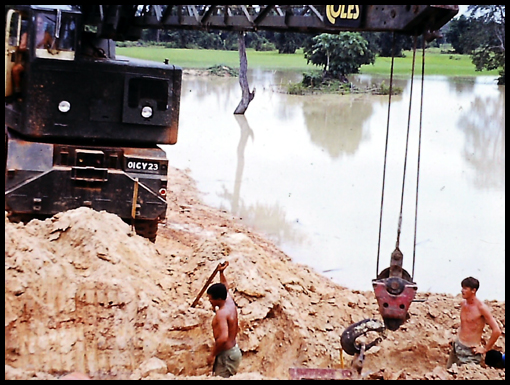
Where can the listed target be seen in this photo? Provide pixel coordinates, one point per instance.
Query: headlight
(147, 112)
(64, 107)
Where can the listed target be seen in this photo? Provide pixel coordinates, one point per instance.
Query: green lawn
(202, 58)
(435, 64)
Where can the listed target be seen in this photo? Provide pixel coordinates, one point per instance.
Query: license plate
(142, 166)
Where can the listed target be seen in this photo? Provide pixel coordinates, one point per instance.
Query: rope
(419, 158)
(386, 154)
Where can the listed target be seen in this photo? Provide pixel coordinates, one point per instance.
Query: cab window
(55, 36)
(67, 38)
(14, 30)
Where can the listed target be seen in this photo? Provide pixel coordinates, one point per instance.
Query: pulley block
(394, 292)
(394, 296)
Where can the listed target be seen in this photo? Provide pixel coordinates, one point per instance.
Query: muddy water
(307, 171)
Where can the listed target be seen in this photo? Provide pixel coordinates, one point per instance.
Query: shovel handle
(208, 282)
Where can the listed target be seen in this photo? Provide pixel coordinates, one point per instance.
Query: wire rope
(401, 214)
(400, 219)
(386, 155)
(419, 157)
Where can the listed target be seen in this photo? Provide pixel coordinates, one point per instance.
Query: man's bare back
(228, 314)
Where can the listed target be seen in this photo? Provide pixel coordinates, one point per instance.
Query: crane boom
(125, 22)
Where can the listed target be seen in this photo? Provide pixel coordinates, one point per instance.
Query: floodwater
(308, 172)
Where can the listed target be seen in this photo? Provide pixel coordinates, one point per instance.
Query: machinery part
(44, 179)
(135, 198)
(394, 296)
(147, 229)
(126, 21)
(394, 292)
(359, 360)
(362, 328)
(386, 274)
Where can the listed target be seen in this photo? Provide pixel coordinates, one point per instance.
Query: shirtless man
(474, 315)
(225, 354)
(43, 38)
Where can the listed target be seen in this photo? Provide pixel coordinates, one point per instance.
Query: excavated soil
(84, 293)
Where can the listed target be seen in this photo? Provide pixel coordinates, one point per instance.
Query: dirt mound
(84, 293)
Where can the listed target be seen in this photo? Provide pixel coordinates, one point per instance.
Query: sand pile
(84, 293)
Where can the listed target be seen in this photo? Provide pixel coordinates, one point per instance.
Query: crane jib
(404, 19)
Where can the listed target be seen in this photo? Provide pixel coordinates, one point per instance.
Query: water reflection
(307, 172)
(483, 125)
(336, 125)
(460, 85)
(246, 134)
(272, 217)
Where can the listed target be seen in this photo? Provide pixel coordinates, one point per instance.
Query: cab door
(12, 41)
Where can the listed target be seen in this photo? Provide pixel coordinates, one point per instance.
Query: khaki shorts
(227, 362)
(462, 354)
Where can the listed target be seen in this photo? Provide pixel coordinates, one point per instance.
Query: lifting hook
(353, 332)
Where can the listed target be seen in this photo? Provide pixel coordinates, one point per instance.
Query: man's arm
(496, 330)
(23, 44)
(46, 42)
(223, 279)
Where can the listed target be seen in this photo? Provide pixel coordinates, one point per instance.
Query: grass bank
(436, 62)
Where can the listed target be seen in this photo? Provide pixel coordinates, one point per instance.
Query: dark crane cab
(82, 126)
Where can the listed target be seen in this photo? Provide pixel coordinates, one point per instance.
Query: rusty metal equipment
(349, 346)
(394, 292)
(407, 19)
(359, 329)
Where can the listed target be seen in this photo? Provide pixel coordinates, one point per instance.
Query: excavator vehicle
(83, 127)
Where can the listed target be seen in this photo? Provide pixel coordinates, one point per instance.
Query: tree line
(284, 43)
(480, 34)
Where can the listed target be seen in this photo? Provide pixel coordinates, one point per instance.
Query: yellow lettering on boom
(344, 12)
(353, 11)
(332, 13)
(344, 15)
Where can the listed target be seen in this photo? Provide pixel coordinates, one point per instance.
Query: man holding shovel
(225, 354)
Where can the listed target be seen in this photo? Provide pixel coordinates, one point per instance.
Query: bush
(296, 89)
(383, 89)
(265, 47)
(223, 70)
(128, 44)
(312, 79)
